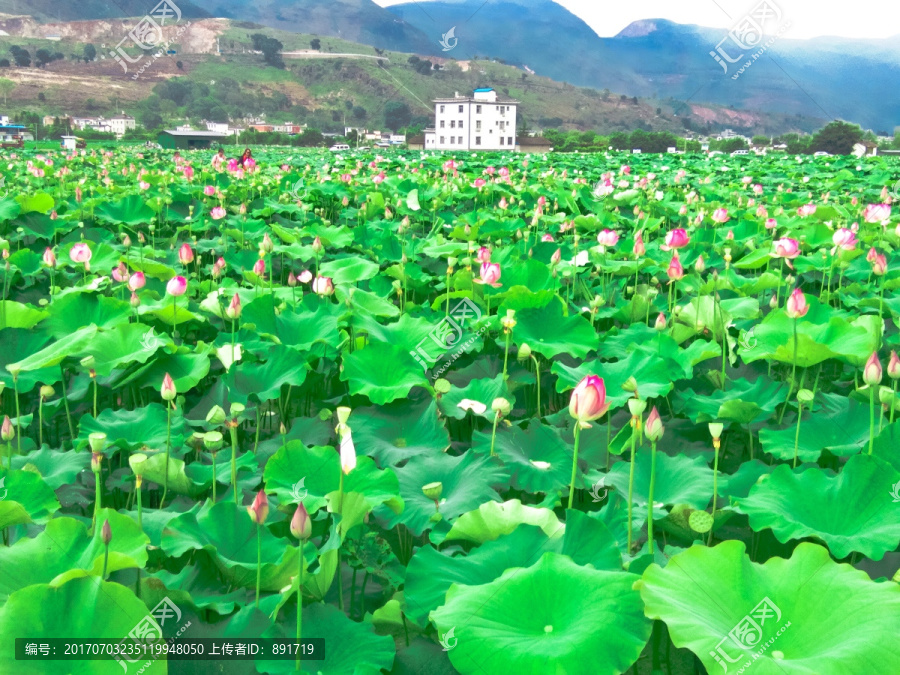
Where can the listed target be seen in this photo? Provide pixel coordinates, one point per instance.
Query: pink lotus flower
(720, 216)
(806, 210)
(796, 306)
(305, 276)
(771, 224)
(217, 213)
(233, 311)
(479, 183)
(167, 391)
(176, 286)
(675, 270)
(209, 190)
(607, 238)
(758, 189)
(547, 237)
(483, 255)
(503, 203)
(675, 239)
(787, 248)
(259, 267)
(877, 213)
(259, 509)
(893, 368)
(844, 239)
(556, 257)
(542, 201)
(81, 253)
(143, 185)
(120, 273)
(49, 257)
(137, 281)
(323, 286)
(588, 401)
(490, 274)
(504, 172)
(378, 178)
(638, 249)
(879, 265)
(873, 372)
(185, 254)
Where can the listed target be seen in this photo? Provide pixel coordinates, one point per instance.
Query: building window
(452, 124)
(477, 109)
(460, 108)
(460, 140)
(501, 140)
(510, 140)
(443, 139)
(442, 108)
(478, 140)
(460, 124)
(452, 140)
(442, 124)
(477, 125)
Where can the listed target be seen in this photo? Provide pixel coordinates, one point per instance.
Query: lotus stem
(98, 497)
(234, 442)
(140, 508)
(40, 422)
(494, 433)
(537, 372)
(574, 463)
(506, 356)
(893, 399)
(9, 455)
(18, 416)
(214, 477)
(105, 562)
(650, 497)
(168, 451)
(797, 433)
(635, 423)
(340, 579)
(871, 418)
(299, 605)
(258, 560)
(716, 445)
(793, 374)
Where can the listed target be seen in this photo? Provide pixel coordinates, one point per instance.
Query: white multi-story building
(482, 121)
(121, 123)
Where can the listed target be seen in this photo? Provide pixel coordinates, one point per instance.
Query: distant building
(121, 123)
(4, 120)
(262, 127)
(534, 144)
(289, 128)
(188, 140)
(218, 127)
(482, 121)
(865, 149)
(12, 135)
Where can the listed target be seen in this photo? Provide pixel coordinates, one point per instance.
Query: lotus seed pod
(636, 406)
(97, 441)
(715, 429)
(805, 396)
(216, 415)
(343, 414)
(700, 521)
(524, 351)
(442, 386)
(502, 406)
(237, 409)
(213, 441)
(630, 385)
(47, 392)
(433, 490)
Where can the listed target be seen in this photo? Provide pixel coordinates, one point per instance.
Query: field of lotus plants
(486, 414)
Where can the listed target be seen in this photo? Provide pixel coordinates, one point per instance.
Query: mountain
(84, 10)
(824, 77)
(354, 20)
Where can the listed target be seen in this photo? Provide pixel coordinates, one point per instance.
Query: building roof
(471, 99)
(205, 134)
(483, 90)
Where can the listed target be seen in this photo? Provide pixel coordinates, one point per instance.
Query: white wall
(484, 124)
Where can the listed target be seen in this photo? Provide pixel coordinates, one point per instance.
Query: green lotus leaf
(134, 429)
(554, 616)
(155, 470)
(25, 498)
(348, 270)
(397, 431)
(743, 402)
(467, 480)
(37, 201)
(484, 390)
(679, 479)
(186, 370)
(106, 610)
(383, 372)
(537, 457)
(125, 344)
(65, 549)
(132, 210)
(18, 344)
(226, 532)
(313, 321)
(840, 425)
(71, 312)
(852, 511)
(54, 353)
(55, 467)
(778, 617)
(17, 315)
(283, 366)
(494, 519)
(549, 333)
(319, 469)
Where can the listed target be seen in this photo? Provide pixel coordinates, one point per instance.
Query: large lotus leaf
(483, 389)
(302, 327)
(803, 616)
(169, 312)
(553, 617)
(55, 467)
(428, 340)
(35, 201)
(264, 381)
(493, 519)
(351, 647)
(840, 426)
(703, 314)
(54, 353)
(65, 549)
(9, 209)
(156, 468)
(654, 375)
(106, 611)
(774, 340)
(743, 401)
(19, 343)
(16, 315)
(185, 369)
(226, 532)
(852, 511)
(383, 372)
(201, 577)
(319, 469)
(679, 479)
(397, 431)
(133, 429)
(349, 269)
(124, 344)
(25, 498)
(538, 459)
(549, 333)
(132, 210)
(467, 481)
(71, 312)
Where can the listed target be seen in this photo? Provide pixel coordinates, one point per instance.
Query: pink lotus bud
(323, 286)
(489, 274)
(80, 253)
(267, 244)
(483, 255)
(168, 392)
(872, 372)
(137, 281)
(49, 257)
(607, 238)
(806, 210)
(259, 267)
(209, 190)
(638, 249)
(135, 300)
(730, 235)
(291, 280)
(547, 237)
(675, 270)
(126, 241)
(556, 257)
(677, 238)
(106, 533)
(683, 210)
(796, 305)
(348, 452)
(503, 203)
(771, 224)
(301, 523)
(871, 255)
(653, 428)
(661, 322)
(259, 509)
(317, 245)
(176, 286)
(893, 368)
(7, 430)
(233, 311)
(120, 273)
(53, 215)
(588, 401)
(879, 265)
(720, 216)
(185, 254)
(77, 194)
(700, 265)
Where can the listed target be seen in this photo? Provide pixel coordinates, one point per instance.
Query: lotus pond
(494, 414)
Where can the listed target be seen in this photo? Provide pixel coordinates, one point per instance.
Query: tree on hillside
(42, 57)
(270, 48)
(397, 115)
(90, 52)
(20, 56)
(4, 63)
(760, 140)
(6, 87)
(837, 137)
(315, 43)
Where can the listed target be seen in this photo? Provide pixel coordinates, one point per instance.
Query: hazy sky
(809, 18)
